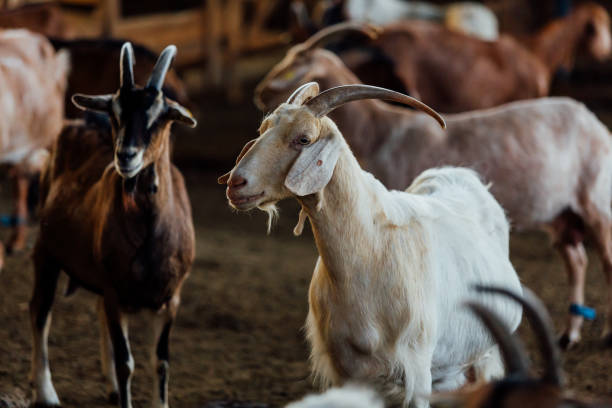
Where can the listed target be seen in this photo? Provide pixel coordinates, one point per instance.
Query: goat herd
(386, 322)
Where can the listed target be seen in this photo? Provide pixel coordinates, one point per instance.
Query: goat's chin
(128, 173)
(246, 202)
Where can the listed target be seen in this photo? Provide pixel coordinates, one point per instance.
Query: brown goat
(519, 388)
(32, 85)
(96, 71)
(453, 72)
(46, 19)
(116, 218)
(549, 159)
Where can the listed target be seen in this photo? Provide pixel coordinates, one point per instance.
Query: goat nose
(236, 182)
(126, 155)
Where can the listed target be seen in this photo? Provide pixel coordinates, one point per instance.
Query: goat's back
(469, 244)
(454, 72)
(33, 80)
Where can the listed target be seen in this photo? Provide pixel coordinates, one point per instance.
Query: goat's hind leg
(17, 240)
(162, 324)
(568, 231)
(600, 223)
(46, 273)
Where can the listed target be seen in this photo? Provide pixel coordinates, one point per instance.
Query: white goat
(32, 85)
(393, 265)
(549, 160)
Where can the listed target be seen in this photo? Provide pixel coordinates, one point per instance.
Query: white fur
(350, 396)
(394, 266)
(32, 80)
(468, 17)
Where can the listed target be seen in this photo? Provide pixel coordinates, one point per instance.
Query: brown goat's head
(140, 117)
(595, 19)
(298, 146)
(519, 388)
(304, 62)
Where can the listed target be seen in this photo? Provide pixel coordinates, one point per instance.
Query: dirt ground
(239, 330)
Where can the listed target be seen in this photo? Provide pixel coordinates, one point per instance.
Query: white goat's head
(305, 62)
(140, 117)
(298, 146)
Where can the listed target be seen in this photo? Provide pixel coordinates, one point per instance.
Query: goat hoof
(113, 397)
(565, 343)
(607, 340)
(14, 247)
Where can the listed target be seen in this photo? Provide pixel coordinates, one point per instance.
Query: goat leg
(107, 359)
(117, 323)
(46, 274)
(162, 324)
(16, 242)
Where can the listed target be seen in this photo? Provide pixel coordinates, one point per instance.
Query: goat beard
(129, 194)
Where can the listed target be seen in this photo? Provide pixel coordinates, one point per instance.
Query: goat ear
(314, 166)
(304, 93)
(181, 114)
(97, 103)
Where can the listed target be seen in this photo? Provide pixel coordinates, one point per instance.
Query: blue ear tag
(581, 310)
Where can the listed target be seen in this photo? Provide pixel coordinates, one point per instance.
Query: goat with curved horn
(161, 68)
(126, 65)
(333, 98)
(327, 34)
(541, 324)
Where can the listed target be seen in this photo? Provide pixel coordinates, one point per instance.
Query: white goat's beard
(272, 210)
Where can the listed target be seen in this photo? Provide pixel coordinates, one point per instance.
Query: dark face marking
(135, 115)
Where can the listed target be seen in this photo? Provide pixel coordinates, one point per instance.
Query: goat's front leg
(417, 377)
(162, 324)
(124, 363)
(107, 359)
(46, 274)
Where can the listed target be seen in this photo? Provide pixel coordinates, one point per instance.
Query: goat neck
(558, 43)
(343, 213)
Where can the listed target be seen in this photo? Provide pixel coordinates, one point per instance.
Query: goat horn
(161, 68)
(510, 348)
(326, 34)
(332, 98)
(542, 325)
(126, 66)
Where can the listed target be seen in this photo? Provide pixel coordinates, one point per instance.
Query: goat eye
(303, 140)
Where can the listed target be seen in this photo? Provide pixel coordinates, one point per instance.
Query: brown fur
(46, 19)
(85, 199)
(453, 72)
